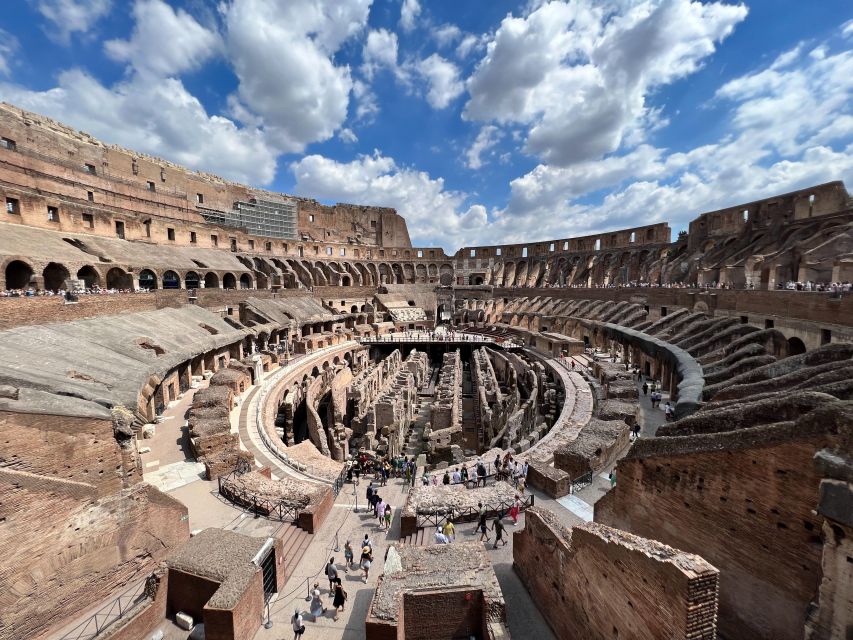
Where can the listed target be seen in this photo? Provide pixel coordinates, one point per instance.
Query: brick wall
(146, 618)
(598, 583)
(456, 613)
(65, 447)
(313, 515)
(64, 555)
(242, 621)
(746, 505)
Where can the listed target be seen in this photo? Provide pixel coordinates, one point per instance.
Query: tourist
(481, 473)
(440, 538)
(331, 574)
(369, 494)
(450, 530)
(366, 559)
(388, 513)
(446, 478)
(379, 510)
(612, 477)
(484, 528)
(348, 556)
(667, 410)
(522, 484)
(464, 474)
(366, 542)
(425, 478)
(514, 510)
(645, 388)
(298, 625)
(498, 528)
(435, 480)
(340, 598)
(635, 430)
(408, 473)
(317, 609)
(457, 477)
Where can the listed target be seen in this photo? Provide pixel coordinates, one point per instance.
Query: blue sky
(481, 122)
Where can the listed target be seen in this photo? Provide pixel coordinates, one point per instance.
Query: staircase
(294, 543)
(421, 538)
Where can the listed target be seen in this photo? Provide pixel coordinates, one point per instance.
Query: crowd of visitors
(88, 291)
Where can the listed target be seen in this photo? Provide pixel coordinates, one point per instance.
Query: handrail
(259, 506)
(110, 613)
(438, 517)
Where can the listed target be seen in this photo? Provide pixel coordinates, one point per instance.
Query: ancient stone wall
(600, 583)
(64, 447)
(73, 552)
(745, 501)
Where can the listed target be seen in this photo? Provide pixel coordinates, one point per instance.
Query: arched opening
(191, 280)
(89, 276)
(147, 279)
(118, 279)
(55, 276)
(354, 309)
(211, 281)
(229, 281)
(245, 281)
(345, 281)
(478, 280)
(171, 280)
(796, 346)
(18, 275)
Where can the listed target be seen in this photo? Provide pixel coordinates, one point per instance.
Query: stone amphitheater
(203, 384)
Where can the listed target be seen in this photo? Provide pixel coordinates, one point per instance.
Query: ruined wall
(745, 501)
(65, 447)
(596, 582)
(65, 551)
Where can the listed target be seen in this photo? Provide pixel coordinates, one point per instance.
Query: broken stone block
(148, 431)
(184, 620)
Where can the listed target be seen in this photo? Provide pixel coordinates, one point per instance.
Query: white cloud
(487, 138)
(155, 116)
(72, 16)
(446, 34)
(443, 82)
(164, 41)
(379, 51)
(367, 106)
(8, 47)
(577, 76)
(434, 215)
(847, 28)
(283, 55)
(469, 44)
(409, 12)
(770, 148)
(347, 136)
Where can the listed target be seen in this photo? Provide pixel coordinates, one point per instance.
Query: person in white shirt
(298, 626)
(440, 538)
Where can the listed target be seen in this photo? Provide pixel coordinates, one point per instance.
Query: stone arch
(119, 279)
(211, 280)
(245, 281)
(433, 271)
(191, 280)
(796, 346)
(89, 276)
(229, 281)
(420, 273)
(147, 279)
(55, 275)
(171, 280)
(397, 271)
(18, 274)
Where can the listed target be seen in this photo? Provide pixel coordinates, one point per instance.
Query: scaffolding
(270, 218)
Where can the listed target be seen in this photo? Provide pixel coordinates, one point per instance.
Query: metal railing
(110, 613)
(269, 508)
(438, 517)
(582, 482)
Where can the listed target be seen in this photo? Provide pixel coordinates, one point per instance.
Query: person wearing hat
(366, 559)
